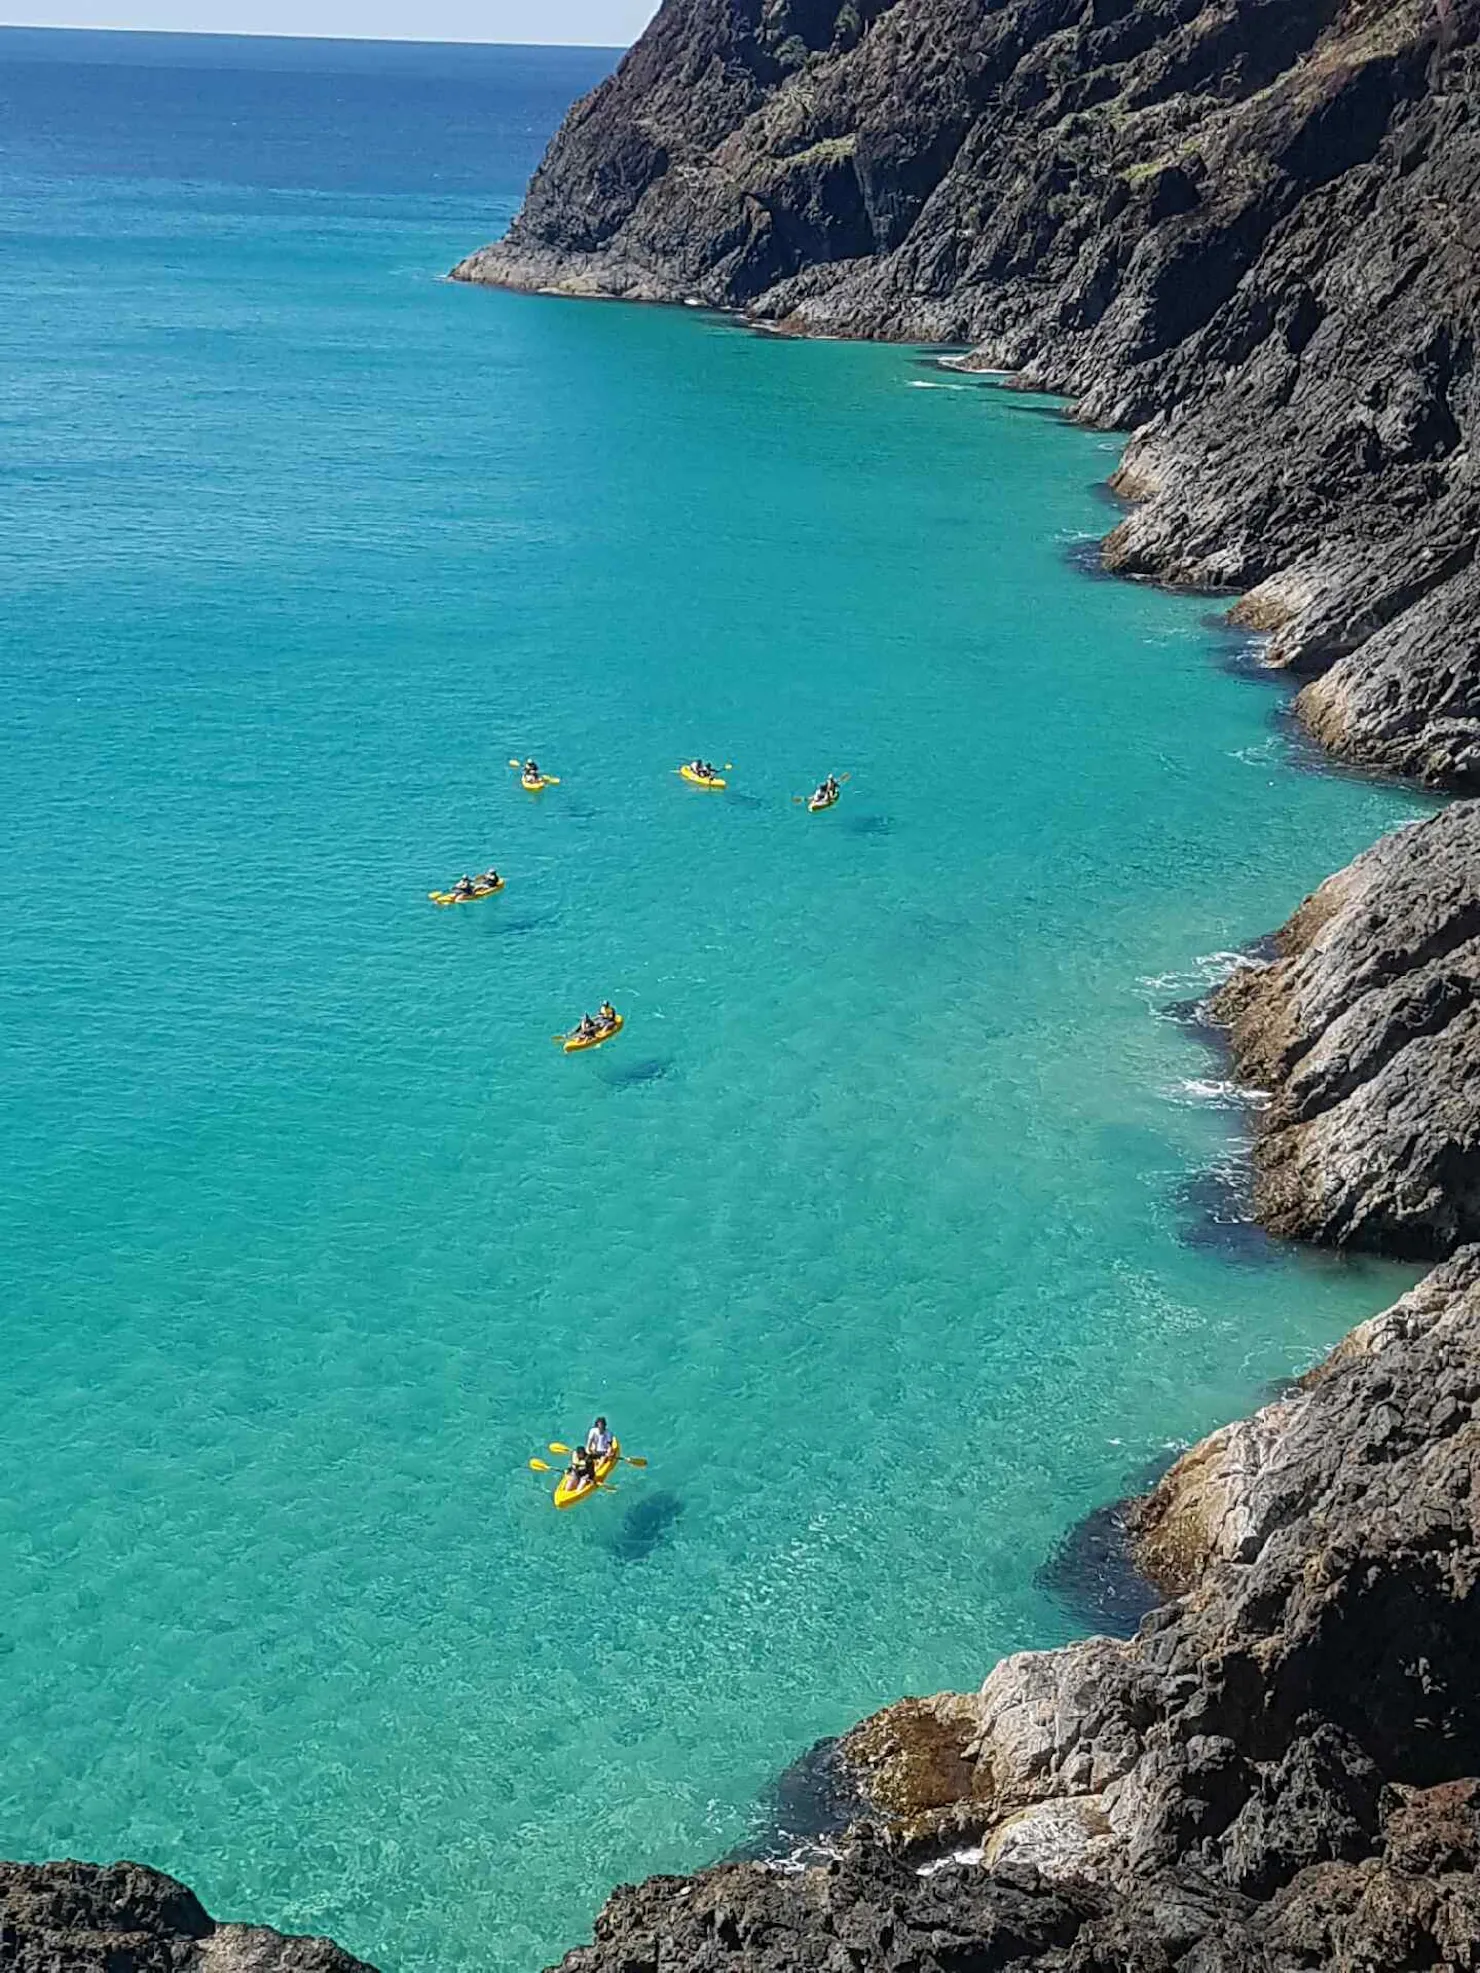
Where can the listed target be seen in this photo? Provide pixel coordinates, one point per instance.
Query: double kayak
(701, 780)
(568, 1495)
(574, 1043)
(466, 897)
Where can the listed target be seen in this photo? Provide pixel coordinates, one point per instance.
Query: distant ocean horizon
(903, 1225)
(13, 34)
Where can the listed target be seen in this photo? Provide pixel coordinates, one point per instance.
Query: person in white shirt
(599, 1440)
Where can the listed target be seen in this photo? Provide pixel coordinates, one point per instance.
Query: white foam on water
(1214, 1093)
(1266, 753)
(963, 1857)
(1207, 970)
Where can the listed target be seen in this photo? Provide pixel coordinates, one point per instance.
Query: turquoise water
(872, 1229)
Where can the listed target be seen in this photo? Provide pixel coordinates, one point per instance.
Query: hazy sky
(598, 23)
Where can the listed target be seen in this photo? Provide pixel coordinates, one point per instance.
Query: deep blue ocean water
(893, 1230)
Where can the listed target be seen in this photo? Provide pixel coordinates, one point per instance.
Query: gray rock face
(1366, 1032)
(122, 1918)
(1278, 1772)
(1247, 228)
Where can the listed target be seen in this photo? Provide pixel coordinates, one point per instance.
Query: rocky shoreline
(122, 1918)
(1278, 1770)
(1364, 1030)
(1247, 231)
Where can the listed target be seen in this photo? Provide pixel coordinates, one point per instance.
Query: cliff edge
(1248, 229)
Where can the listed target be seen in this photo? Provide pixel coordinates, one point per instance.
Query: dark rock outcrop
(1365, 1031)
(122, 1918)
(1277, 1772)
(1248, 228)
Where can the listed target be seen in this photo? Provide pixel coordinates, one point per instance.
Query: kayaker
(598, 1441)
(585, 1028)
(582, 1470)
(531, 770)
(464, 886)
(608, 1019)
(490, 878)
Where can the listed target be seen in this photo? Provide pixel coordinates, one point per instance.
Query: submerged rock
(1093, 1573)
(122, 1918)
(810, 1803)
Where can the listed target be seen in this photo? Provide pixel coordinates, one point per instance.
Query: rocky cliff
(83, 1918)
(1279, 1771)
(1248, 229)
(1365, 1031)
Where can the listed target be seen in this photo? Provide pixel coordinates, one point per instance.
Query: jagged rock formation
(1278, 1772)
(1249, 228)
(122, 1918)
(1366, 1032)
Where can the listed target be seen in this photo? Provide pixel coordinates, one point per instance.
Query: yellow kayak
(534, 782)
(701, 780)
(472, 897)
(568, 1496)
(574, 1043)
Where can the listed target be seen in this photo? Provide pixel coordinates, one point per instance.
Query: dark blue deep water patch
(1092, 1572)
(638, 1074)
(321, 117)
(1216, 1213)
(813, 1798)
(649, 1522)
(1086, 558)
